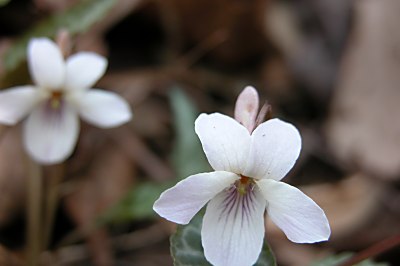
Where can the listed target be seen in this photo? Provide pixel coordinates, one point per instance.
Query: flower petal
(225, 142)
(298, 216)
(16, 103)
(275, 147)
(46, 63)
(102, 108)
(84, 69)
(233, 228)
(50, 135)
(246, 108)
(180, 203)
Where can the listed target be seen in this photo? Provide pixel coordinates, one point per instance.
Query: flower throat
(244, 184)
(56, 99)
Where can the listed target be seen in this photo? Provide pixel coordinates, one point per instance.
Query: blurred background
(332, 68)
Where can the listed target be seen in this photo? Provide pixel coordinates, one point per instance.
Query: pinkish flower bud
(246, 108)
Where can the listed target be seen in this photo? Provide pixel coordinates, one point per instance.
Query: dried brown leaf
(364, 129)
(137, 150)
(240, 21)
(12, 174)
(108, 179)
(8, 258)
(350, 206)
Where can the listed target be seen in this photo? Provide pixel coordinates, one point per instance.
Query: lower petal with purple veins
(233, 227)
(50, 134)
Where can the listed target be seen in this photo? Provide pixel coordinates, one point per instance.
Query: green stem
(34, 213)
(53, 189)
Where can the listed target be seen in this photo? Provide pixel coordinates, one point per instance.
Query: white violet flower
(248, 168)
(61, 93)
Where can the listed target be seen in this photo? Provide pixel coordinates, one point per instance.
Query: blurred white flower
(61, 93)
(246, 182)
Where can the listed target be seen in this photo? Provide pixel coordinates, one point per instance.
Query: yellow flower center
(55, 99)
(244, 184)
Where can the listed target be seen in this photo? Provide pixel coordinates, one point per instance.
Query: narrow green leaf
(188, 156)
(4, 2)
(267, 257)
(186, 248)
(136, 205)
(76, 19)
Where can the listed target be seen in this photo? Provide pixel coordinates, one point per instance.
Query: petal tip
(99, 59)
(119, 121)
(46, 159)
(162, 212)
(250, 90)
(39, 41)
(104, 109)
(45, 63)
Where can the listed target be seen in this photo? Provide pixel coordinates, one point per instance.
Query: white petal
(102, 108)
(246, 107)
(16, 103)
(50, 136)
(233, 228)
(46, 63)
(275, 147)
(298, 216)
(180, 203)
(225, 142)
(84, 69)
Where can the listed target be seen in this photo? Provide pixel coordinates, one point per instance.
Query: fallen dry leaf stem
(373, 251)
